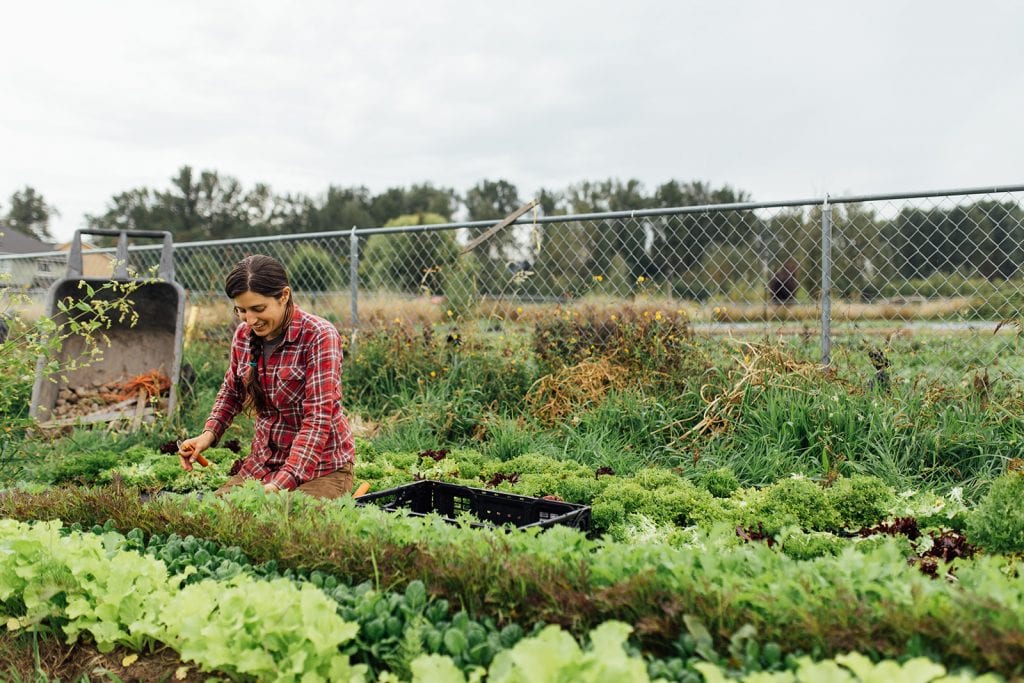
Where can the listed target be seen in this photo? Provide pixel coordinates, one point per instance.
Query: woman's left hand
(271, 488)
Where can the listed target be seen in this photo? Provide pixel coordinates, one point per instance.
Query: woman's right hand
(190, 450)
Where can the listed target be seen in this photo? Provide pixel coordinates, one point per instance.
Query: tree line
(208, 205)
(695, 256)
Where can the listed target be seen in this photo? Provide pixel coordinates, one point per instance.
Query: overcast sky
(781, 99)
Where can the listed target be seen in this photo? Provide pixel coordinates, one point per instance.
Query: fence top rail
(568, 218)
(705, 208)
(995, 189)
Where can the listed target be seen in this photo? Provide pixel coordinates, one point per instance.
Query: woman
(286, 367)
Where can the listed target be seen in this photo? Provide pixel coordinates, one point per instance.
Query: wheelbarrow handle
(166, 270)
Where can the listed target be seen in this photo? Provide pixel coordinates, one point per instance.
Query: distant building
(47, 263)
(22, 272)
(93, 264)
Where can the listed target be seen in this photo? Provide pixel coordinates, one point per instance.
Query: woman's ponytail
(254, 395)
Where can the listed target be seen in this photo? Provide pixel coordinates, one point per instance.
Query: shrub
(997, 523)
(311, 269)
(411, 262)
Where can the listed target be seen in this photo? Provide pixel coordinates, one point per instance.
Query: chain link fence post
(826, 283)
(353, 265)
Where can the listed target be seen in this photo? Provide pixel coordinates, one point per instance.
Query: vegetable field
(753, 516)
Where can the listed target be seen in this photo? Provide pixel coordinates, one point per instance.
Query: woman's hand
(190, 450)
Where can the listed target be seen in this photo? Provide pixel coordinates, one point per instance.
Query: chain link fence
(952, 258)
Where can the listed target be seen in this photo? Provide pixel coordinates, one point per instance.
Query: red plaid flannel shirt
(305, 434)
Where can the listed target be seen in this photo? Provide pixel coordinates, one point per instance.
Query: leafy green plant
(795, 501)
(807, 546)
(272, 630)
(860, 500)
(554, 655)
(87, 466)
(663, 500)
(997, 523)
(720, 482)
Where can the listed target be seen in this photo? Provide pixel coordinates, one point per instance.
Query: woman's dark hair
(263, 275)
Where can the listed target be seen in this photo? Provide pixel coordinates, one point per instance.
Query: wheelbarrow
(149, 347)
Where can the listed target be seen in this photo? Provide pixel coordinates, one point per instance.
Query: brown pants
(334, 485)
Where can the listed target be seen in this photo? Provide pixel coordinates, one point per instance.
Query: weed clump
(653, 342)
(558, 395)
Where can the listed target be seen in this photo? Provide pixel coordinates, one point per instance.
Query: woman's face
(264, 314)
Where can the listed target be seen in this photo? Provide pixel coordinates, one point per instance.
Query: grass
(947, 412)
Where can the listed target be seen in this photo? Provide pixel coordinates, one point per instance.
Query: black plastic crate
(492, 508)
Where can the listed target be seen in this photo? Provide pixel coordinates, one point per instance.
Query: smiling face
(266, 315)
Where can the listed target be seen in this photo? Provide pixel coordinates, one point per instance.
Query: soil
(19, 654)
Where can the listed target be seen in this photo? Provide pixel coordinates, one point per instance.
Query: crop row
(648, 503)
(283, 630)
(865, 598)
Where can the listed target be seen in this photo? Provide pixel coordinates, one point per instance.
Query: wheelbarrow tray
(149, 339)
